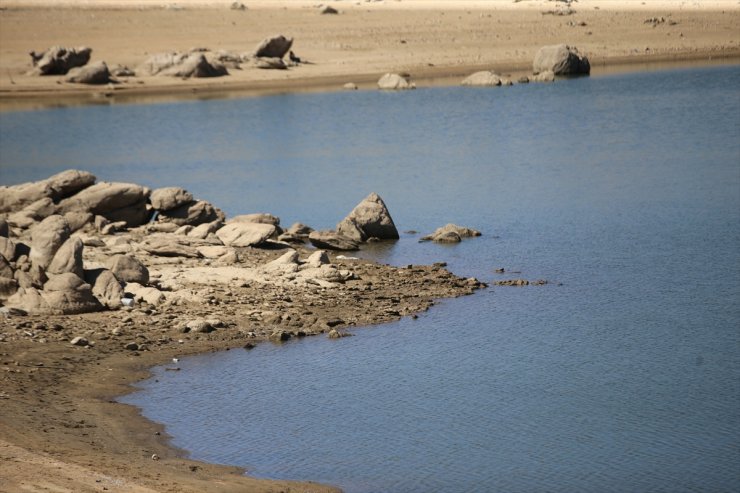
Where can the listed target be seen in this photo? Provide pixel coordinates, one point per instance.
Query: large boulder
(245, 234)
(160, 62)
(128, 269)
(68, 258)
(105, 287)
(485, 78)
(46, 238)
(32, 213)
(192, 213)
(196, 65)
(95, 73)
(330, 240)
(395, 82)
(561, 60)
(274, 47)
(56, 187)
(106, 197)
(369, 219)
(58, 60)
(67, 294)
(168, 198)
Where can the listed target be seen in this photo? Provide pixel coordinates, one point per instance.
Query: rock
(524, 79)
(8, 249)
(160, 62)
(485, 78)
(183, 230)
(68, 294)
(279, 335)
(238, 6)
(131, 346)
(513, 282)
(152, 296)
(68, 258)
(260, 218)
(95, 73)
(561, 60)
(202, 231)
(132, 215)
(395, 82)
(34, 277)
(274, 47)
(242, 234)
(196, 65)
(213, 251)
(168, 246)
(78, 220)
(58, 60)
(103, 198)
(46, 238)
(8, 287)
(128, 269)
(328, 10)
(350, 86)
(546, 76)
(193, 213)
(32, 213)
(4, 231)
(168, 198)
(56, 187)
(317, 259)
(270, 63)
(369, 219)
(6, 271)
(200, 326)
(451, 233)
(299, 229)
(330, 240)
(79, 341)
(105, 287)
(121, 71)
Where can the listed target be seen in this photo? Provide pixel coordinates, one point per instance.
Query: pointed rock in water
(369, 219)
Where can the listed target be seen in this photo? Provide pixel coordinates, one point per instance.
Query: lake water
(621, 375)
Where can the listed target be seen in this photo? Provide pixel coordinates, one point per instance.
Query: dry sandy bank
(429, 40)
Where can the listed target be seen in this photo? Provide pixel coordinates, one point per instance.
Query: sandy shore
(60, 428)
(431, 40)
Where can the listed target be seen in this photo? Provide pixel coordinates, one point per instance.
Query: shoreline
(358, 45)
(32, 99)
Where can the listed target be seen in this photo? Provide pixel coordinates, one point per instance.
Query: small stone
(131, 346)
(79, 341)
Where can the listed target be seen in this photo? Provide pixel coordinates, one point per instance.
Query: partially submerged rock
(395, 82)
(485, 78)
(58, 60)
(561, 60)
(369, 219)
(451, 233)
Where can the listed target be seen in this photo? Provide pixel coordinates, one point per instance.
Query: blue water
(624, 189)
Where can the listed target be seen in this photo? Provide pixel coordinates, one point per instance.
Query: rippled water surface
(621, 375)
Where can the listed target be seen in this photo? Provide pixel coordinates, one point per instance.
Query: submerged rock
(369, 219)
(395, 82)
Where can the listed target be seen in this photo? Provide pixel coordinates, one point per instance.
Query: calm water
(625, 189)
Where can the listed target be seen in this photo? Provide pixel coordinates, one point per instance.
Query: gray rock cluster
(184, 65)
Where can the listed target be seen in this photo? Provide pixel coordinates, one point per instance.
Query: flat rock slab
(244, 234)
